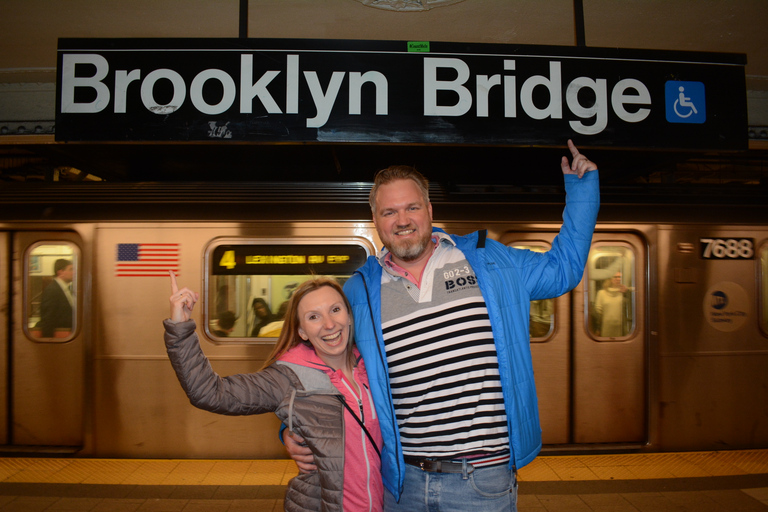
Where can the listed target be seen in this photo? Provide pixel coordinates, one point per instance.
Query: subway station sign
(420, 92)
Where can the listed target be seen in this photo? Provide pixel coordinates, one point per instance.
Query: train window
(611, 292)
(764, 288)
(50, 312)
(542, 312)
(249, 285)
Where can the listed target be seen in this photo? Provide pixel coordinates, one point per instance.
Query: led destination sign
(274, 90)
(287, 259)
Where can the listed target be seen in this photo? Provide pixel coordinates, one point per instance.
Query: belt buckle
(434, 466)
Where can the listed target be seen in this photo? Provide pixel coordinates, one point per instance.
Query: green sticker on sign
(418, 46)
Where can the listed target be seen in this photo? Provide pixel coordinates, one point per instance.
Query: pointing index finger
(572, 147)
(174, 285)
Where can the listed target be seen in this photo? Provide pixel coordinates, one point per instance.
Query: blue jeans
(488, 489)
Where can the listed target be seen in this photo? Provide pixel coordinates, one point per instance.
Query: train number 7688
(727, 248)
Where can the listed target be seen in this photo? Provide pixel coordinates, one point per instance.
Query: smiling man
(402, 214)
(442, 323)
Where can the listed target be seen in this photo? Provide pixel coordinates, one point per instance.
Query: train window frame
(762, 292)
(29, 266)
(544, 246)
(208, 299)
(632, 288)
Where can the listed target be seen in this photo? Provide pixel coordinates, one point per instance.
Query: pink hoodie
(363, 488)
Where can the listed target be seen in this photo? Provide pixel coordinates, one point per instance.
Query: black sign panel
(272, 90)
(233, 260)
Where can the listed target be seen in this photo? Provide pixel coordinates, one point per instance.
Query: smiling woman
(318, 314)
(325, 323)
(308, 380)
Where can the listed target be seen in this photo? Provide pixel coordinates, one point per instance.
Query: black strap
(481, 235)
(345, 404)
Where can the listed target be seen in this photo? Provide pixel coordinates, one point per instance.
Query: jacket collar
(305, 355)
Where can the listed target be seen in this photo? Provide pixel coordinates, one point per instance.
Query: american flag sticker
(146, 260)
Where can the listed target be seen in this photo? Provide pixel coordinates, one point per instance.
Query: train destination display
(287, 259)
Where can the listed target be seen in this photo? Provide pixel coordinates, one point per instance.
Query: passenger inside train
(52, 308)
(611, 292)
(261, 315)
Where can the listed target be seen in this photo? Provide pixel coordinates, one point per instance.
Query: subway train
(662, 346)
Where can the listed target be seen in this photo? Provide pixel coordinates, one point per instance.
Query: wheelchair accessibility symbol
(685, 102)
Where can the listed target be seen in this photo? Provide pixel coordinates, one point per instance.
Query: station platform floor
(655, 482)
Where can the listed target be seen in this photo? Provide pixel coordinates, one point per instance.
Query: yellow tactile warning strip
(278, 472)
(712, 481)
(646, 466)
(146, 472)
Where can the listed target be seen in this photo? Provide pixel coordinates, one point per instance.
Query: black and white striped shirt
(442, 361)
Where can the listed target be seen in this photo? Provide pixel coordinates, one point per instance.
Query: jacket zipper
(363, 436)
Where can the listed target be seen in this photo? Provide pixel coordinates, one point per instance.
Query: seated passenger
(272, 329)
(261, 315)
(225, 324)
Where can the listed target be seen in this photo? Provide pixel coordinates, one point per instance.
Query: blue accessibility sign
(685, 102)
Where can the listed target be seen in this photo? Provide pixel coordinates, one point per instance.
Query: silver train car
(683, 364)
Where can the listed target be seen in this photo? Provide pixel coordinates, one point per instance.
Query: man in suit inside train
(57, 304)
(442, 322)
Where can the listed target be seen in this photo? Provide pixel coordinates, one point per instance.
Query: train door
(45, 370)
(609, 348)
(590, 379)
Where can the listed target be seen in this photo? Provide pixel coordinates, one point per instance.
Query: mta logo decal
(719, 300)
(685, 102)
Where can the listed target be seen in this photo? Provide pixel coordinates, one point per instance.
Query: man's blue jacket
(509, 279)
